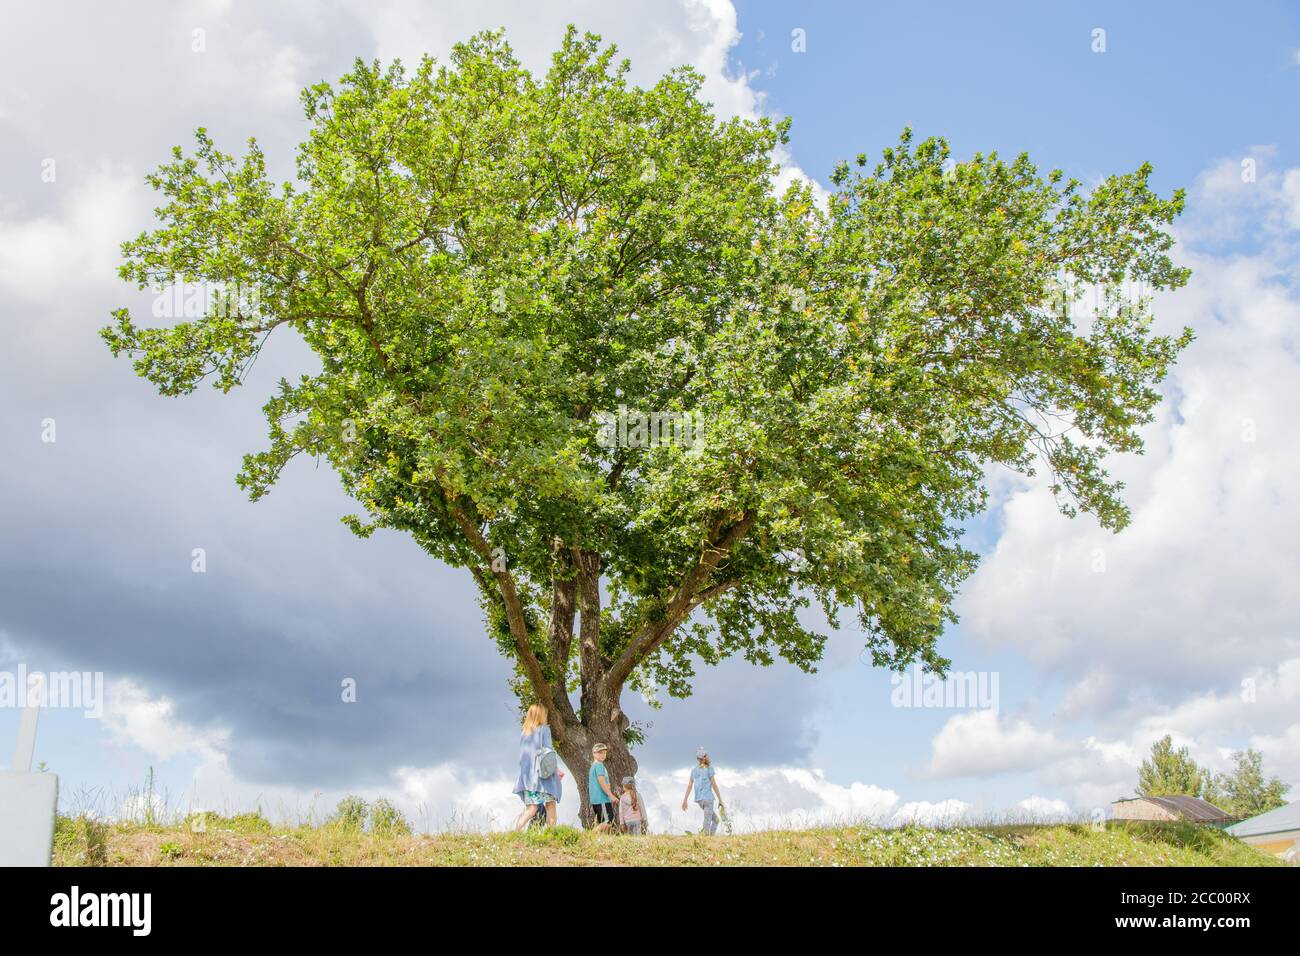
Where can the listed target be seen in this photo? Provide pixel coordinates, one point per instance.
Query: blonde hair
(636, 798)
(535, 718)
(704, 761)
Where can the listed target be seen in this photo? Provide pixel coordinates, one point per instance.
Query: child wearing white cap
(704, 785)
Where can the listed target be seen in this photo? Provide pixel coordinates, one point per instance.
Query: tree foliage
(1243, 793)
(488, 264)
(1246, 791)
(1170, 773)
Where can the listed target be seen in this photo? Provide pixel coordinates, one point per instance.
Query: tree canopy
(1171, 773)
(492, 266)
(1246, 791)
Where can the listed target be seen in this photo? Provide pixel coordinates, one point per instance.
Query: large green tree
(489, 264)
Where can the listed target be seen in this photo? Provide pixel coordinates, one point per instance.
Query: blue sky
(1176, 86)
(226, 682)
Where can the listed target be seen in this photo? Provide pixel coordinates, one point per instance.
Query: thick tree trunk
(575, 589)
(575, 751)
(601, 715)
(577, 758)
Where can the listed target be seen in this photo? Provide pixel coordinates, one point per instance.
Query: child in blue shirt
(599, 791)
(705, 787)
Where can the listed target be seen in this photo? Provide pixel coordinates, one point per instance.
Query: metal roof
(1275, 821)
(1192, 809)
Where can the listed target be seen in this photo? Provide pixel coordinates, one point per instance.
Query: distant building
(1277, 831)
(1186, 809)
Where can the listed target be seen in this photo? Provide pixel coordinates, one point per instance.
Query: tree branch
(685, 598)
(514, 607)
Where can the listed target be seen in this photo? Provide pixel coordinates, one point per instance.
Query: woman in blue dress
(534, 789)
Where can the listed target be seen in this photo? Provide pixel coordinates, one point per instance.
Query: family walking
(540, 787)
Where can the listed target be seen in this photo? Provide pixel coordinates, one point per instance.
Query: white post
(28, 801)
(27, 717)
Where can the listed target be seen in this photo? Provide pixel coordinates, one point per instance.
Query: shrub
(380, 818)
(387, 820)
(204, 820)
(350, 816)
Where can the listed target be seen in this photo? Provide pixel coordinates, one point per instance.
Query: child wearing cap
(705, 788)
(631, 813)
(599, 791)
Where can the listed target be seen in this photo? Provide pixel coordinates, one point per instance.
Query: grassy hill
(251, 840)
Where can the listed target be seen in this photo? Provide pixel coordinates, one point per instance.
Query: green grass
(251, 840)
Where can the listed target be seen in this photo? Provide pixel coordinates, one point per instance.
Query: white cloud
(1096, 770)
(1281, 752)
(984, 743)
(1290, 191)
(42, 257)
(448, 796)
(1197, 593)
(924, 813)
(1097, 690)
(441, 794)
(134, 718)
(142, 806)
(698, 33)
(757, 798)
(451, 797)
(1096, 774)
(1044, 809)
(1248, 196)
(768, 797)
